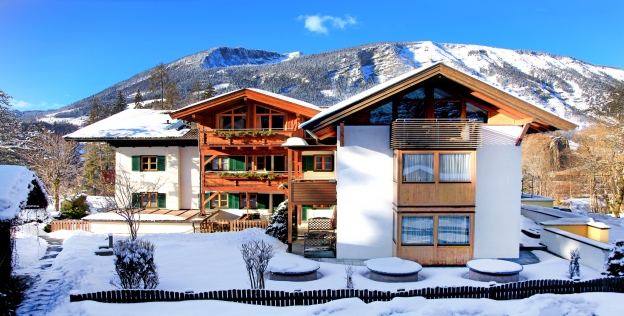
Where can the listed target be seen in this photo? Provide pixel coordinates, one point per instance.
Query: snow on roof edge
(18, 185)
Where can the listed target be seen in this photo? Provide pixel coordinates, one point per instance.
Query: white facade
(364, 193)
(180, 181)
(499, 176)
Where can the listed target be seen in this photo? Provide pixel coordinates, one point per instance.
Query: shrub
(74, 208)
(134, 265)
(278, 227)
(256, 255)
(574, 270)
(47, 228)
(615, 263)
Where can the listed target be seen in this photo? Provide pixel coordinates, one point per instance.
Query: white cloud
(25, 106)
(315, 23)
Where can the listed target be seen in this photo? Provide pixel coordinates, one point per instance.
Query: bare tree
(127, 201)
(55, 161)
(159, 78)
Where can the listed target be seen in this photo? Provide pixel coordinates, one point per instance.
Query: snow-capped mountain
(560, 84)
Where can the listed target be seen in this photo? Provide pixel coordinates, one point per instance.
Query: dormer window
(234, 119)
(268, 119)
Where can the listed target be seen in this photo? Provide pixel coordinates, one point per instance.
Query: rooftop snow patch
(17, 182)
(133, 123)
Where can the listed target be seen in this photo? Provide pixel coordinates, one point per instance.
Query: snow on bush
(615, 263)
(279, 223)
(256, 254)
(134, 264)
(574, 269)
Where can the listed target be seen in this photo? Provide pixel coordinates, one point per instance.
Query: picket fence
(231, 225)
(70, 225)
(508, 291)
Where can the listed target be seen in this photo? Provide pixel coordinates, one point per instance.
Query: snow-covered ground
(204, 262)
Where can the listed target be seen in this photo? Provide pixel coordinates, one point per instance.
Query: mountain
(563, 85)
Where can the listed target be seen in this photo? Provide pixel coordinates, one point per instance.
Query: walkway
(45, 292)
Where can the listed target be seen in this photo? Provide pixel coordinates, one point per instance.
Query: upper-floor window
(268, 119)
(234, 119)
(220, 163)
(450, 167)
(323, 163)
(148, 163)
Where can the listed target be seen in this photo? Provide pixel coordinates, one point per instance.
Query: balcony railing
(244, 179)
(244, 137)
(435, 134)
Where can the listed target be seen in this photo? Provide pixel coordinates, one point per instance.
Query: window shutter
(307, 163)
(304, 212)
(162, 200)
(237, 163)
(136, 163)
(134, 200)
(233, 201)
(160, 162)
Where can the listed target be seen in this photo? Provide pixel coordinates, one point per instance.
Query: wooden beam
(525, 128)
(209, 160)
(290, 205)
(212, 196)
(528, 120)
(342, 132)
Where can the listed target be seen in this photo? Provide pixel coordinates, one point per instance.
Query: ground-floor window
(219, 201)
(251, 203)
(149, 200)
(435, 229)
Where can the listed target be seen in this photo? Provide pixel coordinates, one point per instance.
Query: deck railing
(246, 179)
(435, 134)
(218, 226)
(244, 137)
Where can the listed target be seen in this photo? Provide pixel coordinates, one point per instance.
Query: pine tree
(97, 157)
(615, 263)
(209, 92)
(159, 78)
(279, 223)
(138, 100)
(120, 105)
(95, 111)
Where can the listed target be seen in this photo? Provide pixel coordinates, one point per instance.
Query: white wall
(499, 174)
(365, 188)
(170, 180)
(594, 254)
(189, 178)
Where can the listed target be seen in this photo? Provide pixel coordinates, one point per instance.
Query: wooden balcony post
(290, 203)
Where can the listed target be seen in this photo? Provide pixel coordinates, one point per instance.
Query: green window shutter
(263, 201)
(307, 163)
(160, 162)
(206, 202)
(162, 200)
(134, 200)
(233, 201)
(304, 212)
(237, 163)
(136, 163)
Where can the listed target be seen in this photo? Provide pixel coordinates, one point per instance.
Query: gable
(429, 90)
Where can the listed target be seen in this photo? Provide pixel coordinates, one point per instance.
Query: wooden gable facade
(240, 138)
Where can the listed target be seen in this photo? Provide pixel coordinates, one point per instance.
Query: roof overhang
(536, 118)
(241, 96)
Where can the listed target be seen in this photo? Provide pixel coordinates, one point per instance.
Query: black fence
(508, 291)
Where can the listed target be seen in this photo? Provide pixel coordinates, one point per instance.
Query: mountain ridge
(561, 84)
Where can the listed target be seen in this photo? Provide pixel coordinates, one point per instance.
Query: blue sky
(55, 52)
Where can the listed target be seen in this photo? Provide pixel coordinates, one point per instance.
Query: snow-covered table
(292, 269)
(499, 271)
(393, 269)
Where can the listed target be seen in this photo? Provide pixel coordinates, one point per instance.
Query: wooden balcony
(311, 192)
(435, 134)
(244, 137)
(243, 181)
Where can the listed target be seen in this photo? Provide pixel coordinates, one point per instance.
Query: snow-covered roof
(271, 94)
(17, 182)
(378, 88)
(133, 123)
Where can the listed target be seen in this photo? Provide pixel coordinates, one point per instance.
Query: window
(268, 119)
(149, 200)
(418, 168)
(149, 163)
(453, 167)
(417, 230)
(453, 230)
(253, 200)
(476, 113)
(260, 163)
(219, 201)
(220, 163)
(234, 119)
(323, 163)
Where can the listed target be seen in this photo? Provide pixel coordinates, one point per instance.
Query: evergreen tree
(159, 78)
(279, 223)
(10, 128)
(615, 263)
(138, 100)
(209, 92)
(120, 105)
(97, 158)
(95, 111)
